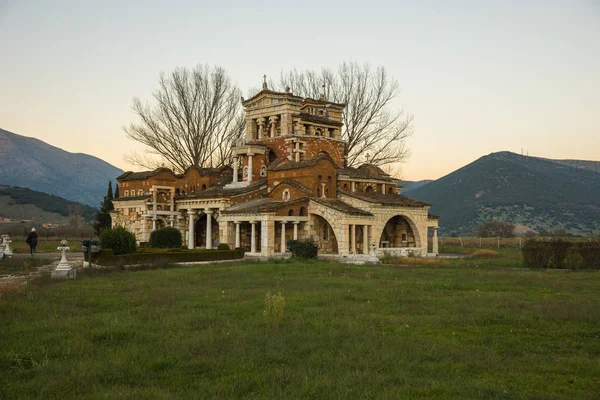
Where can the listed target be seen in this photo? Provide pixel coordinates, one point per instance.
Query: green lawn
(21, 266)
(431, 332)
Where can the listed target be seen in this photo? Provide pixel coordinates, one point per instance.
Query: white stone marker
(63, 270)
(6, 242)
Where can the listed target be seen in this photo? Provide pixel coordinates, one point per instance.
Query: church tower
(280, 125)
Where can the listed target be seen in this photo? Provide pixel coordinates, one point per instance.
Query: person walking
(32, 241)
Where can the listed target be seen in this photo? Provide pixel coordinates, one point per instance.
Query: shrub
(305, 248)
(166, 238)
(274, 305)
(559, 248)
(223, 246)
(590, 254)
(535, 254)
(119, 239)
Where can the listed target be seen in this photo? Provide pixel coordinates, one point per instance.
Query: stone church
(288, 180)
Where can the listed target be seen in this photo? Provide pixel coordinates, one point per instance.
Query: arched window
(329, 180)
(345, 186)
(126, 193)
(390, 191)
(301, 212)
(140, 192)
(176, 192)
(245, 174)
(319, 178)
(369, 189)
(203, 187)
(263, 171)
(291, 213)
(286, 195)
(326, 231)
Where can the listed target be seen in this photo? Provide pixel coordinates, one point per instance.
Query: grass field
(336, 331)
(45, 245)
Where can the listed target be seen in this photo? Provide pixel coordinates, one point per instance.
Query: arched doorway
(200, 231)
(324, 235)
(399, 232)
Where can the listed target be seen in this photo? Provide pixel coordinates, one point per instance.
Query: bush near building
(166, 238)
(560, 253)
(119, 240)
(306, 248)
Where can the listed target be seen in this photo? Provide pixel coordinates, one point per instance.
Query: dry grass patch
(485, 253)
(10, 287)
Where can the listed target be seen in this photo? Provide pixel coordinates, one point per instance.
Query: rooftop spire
(264, 82)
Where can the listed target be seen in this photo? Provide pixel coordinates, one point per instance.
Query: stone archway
(324, 235)
(399, 232)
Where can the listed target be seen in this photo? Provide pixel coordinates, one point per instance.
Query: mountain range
(32, 163)
(533, 193)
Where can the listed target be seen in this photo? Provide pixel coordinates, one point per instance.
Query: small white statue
(373, 250)
(6, 242)
(63, 265)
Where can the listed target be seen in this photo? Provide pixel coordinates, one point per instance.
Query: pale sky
(478, 76)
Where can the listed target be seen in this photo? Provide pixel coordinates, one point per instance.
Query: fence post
(461, 243)
(498, 241)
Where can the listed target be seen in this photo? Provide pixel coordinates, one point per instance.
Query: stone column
(283, 246)
(365, 239)
(208, 228)
(273, 123)
(383, 188)
(253, 238)
(296, 223)
(261, 127)
(250, 167)
(235, 169)
(353, 239)
(297, 154)
(353, 186)
(435, 241)
(237, 234)
(172, 221)
(154, 223)
(191, 214)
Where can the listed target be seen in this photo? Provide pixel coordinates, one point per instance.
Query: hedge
(107, 257)
(559, 253)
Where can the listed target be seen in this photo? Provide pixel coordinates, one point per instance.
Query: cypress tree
(116, 192)
(102, 216)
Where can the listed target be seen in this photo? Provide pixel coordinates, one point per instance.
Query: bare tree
(375, 131)
(196, 118)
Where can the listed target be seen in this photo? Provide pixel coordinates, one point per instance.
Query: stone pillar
(273, 123)
(365, 239)
(191, 214)
(283, 246)
(323, 190)
(261, 127)
(383, 188)
(296, 223)
(353, 239)
(435, 241)
(253, 238)
(353, 186)
(250, 167)
(154, 223)
(237, 234)
(172, 221)
(235, 169)
(208, 228)
(297, 153)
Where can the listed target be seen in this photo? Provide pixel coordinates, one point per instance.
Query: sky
(478, 76)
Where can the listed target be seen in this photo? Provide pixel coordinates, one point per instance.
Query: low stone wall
(402, 252)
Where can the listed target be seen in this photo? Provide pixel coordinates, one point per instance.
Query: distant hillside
(582, 164)
(29, 162)
(535, 192)
(407, 186)
(25, 204)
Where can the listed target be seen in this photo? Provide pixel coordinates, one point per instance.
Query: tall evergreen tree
(102, 216)
(116, 192)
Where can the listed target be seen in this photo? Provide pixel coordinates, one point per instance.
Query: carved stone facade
(288, 180)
